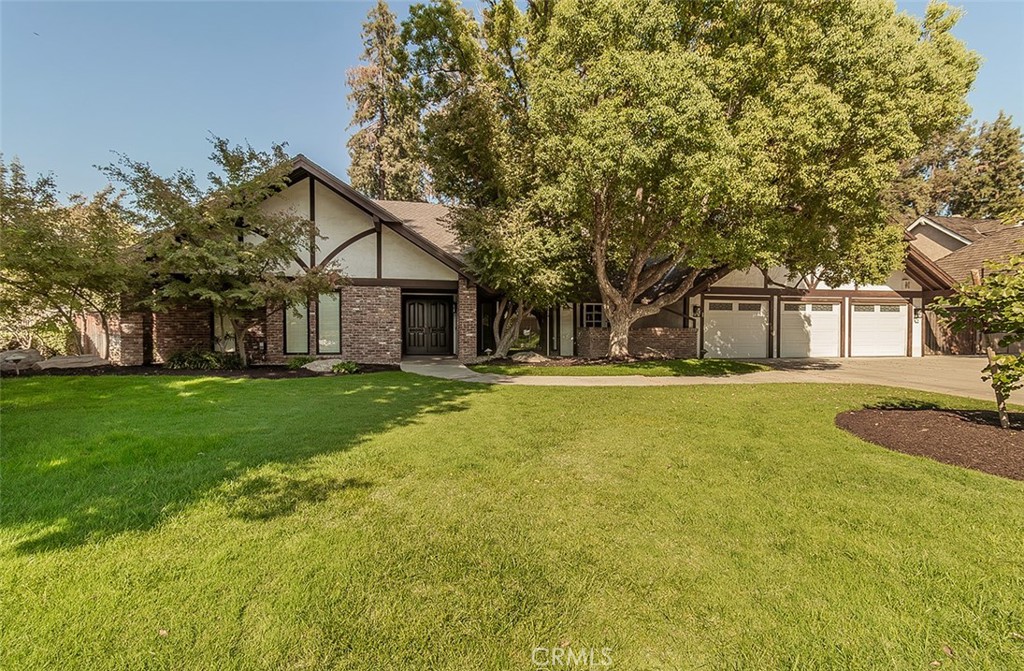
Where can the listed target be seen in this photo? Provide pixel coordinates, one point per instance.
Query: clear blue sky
(153, 79)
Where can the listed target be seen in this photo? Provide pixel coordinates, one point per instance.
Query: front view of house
(407, 293)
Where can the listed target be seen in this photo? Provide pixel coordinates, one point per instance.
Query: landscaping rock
(84, 361)
(528, 357)
(322, 365)
(19, 359)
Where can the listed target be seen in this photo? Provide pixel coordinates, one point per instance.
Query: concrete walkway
(960, 376)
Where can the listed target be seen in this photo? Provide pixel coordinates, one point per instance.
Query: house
(408, 292)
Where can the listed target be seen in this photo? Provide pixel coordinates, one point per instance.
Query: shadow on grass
(87, 458)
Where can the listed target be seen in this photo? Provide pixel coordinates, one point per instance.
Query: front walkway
(957, 375)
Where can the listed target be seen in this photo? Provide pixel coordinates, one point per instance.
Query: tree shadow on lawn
(85, 459)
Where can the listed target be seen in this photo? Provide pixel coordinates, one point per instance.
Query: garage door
(736, 329)
(809, 330)
(878, 330)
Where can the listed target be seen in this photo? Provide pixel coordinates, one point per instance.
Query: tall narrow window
(296, 329)
(328, 324)
(223, 333)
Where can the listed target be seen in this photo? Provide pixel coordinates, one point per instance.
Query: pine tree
(384, 150)
(990, 181)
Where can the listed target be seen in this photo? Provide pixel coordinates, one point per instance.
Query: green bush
(297, 362)
(345, 367)
(200, 359)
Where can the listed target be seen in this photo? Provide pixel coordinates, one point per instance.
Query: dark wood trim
(842, 328)
(576, 329)
(910, 329)
(771, 330)
(703, 325)
(380, 247)
(337, 250)
(443, 285)
(312, 218)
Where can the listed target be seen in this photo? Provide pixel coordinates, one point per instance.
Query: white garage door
(736, 329)
(878, 330)
(809, 330)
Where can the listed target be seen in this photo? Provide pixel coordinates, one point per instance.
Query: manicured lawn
(395, 522)
(654, 368)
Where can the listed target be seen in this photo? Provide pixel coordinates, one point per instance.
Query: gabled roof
(303, 167)
(966, 229)
(998, 246)
(430, 220)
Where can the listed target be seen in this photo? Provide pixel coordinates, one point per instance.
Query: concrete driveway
(960, 376)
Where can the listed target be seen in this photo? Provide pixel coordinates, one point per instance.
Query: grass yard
(389, 521)
(652, 368)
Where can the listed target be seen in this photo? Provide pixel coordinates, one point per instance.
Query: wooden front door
(428, 326)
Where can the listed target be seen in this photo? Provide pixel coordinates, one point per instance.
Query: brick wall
(466, 322)
(371, 324)
(179, 329)
(672, 343)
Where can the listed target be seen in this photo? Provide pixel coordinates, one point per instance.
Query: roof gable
(997, 247)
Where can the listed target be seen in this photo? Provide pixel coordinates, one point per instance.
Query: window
(296, 329)
(822, 307)
(888, 308)
(792, 307)
(593, 315)
(749, 307)
(720, 307)
(863, 308)
(328, 324)
(223, 333)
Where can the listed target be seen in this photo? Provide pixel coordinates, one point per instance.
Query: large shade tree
(673, 139)
(217, 244)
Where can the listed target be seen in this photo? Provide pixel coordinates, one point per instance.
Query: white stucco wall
(337, 220)
(402, 259)
(294, 201)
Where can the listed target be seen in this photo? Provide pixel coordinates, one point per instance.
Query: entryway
(427, 325)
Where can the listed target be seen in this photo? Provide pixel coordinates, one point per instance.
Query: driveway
(957, 375)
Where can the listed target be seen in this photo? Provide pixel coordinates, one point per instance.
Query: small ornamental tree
(993, 305)
(219, 246)
(60, 259)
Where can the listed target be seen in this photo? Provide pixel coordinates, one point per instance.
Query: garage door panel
(810, 330)
(878, 329)
(736, 329)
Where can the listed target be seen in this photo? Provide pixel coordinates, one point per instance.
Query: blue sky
(154, 79)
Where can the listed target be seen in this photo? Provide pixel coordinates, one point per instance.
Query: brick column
(126, 339)
(371, 324)
(274, 334)
(467, 322)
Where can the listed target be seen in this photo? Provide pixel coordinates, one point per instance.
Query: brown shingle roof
(998, 246)
(972, 229)
(429, 220)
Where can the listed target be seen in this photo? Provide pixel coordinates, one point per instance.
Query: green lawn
(394, 522)
(653, 368)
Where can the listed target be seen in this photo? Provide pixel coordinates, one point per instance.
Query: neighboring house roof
(997, 246)
(970, 230)
(430, 220)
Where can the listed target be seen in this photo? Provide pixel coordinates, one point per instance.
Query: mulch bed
(255, 372)
(968, 438)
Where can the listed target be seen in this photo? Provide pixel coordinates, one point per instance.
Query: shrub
(200, 359)
(345, 367)
(298, 362)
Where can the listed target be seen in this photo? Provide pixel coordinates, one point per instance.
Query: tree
(993, 305)
(384, 151)
(59, 260)
(219, 246)
(990, 179)
(674, 139)
(926, 180)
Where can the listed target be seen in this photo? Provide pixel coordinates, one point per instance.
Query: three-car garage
(805, 327)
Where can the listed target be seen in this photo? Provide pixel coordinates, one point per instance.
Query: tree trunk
(106, 335)
(509, 328)
(618, 339)
(239, 328)
(993, 368)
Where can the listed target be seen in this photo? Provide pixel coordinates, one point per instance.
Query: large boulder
(322, 365)
(529, 357)
(19, 359)
(84, 361)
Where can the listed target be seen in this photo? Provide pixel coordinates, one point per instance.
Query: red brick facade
(467, 323)
(663, 342)
(180, 329)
